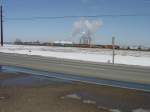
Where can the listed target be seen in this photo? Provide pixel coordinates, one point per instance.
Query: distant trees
(20, 42)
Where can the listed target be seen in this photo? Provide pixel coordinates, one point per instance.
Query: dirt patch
(45, 99)
(4, 96)
(74, 97)
(4, 76)
(49, 99)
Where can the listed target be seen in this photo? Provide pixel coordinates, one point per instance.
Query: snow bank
(84, 54)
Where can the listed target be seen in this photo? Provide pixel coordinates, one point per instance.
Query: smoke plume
(86, 27)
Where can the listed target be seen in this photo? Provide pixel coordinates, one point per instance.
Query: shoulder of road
(129, 73)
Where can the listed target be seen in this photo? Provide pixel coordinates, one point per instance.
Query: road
(127, 73)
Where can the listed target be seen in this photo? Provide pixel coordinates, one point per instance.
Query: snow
(141, 110)
(85, 54)
(114, 110)
(63, 42)
(89, 101)
(73, 96)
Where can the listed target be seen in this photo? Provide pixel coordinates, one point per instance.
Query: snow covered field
(85, 54)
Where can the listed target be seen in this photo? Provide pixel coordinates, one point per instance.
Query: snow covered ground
(85, 54)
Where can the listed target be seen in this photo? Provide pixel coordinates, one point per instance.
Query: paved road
(100, 70)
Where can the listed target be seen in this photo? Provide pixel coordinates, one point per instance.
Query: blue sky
(128, 30)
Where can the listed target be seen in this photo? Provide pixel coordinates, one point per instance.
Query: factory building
(85, 39)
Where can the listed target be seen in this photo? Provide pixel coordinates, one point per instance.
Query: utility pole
(113, 48)
(1, 8)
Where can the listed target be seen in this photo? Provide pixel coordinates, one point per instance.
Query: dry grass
(49, 98)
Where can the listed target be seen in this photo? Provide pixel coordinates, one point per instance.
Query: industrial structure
(85, 39)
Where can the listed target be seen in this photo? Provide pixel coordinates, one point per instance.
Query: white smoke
(84, 26)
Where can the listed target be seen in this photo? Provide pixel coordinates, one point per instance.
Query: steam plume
(86, 27)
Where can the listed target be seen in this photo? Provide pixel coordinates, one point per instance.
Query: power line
(84, 16)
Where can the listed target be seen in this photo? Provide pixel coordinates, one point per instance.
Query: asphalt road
(127, 73)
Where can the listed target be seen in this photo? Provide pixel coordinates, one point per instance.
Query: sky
(128, 30)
